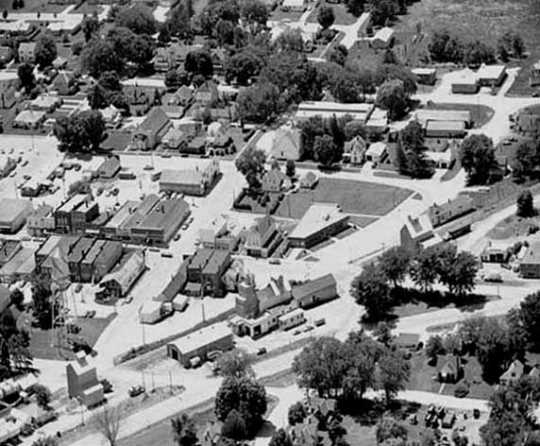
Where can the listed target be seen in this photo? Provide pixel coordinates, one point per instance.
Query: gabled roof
(313, 286)
(126, 273)
(154, 121)
(262, 225)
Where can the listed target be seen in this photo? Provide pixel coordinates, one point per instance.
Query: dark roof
(201, 258)
(164, 214)
(78, 251)
(155, 120)
(109, 167)
(312, 286)
(4, 298)
(215, 263)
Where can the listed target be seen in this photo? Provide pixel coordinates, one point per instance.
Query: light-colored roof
(466, 77)
(532, 255)
(290, 315)
(201, 338)
(423, 71)
(425, 115)
(171, 176)
(73, 203)
(127, 272)
(30, 116)
(384, 34)
(8, 75)
(491, 71)
(316, 218)
(376, 149)
(12, 209)
(45, 101)
(446, 125)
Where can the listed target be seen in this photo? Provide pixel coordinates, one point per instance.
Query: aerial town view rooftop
(270, 222)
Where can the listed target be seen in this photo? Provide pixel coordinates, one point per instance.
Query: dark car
(261, 351)
(135, 391)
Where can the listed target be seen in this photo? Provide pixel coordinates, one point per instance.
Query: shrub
(461, 390)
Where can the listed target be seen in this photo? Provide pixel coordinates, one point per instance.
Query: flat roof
(314, 285)
(424, 71)
(171, 176)
(291, 314)
(219, 257)
(359, 107)
(425, 115)
(49, 245)
(491, 71)
(317, 217)
(12, 208)
(164, 214)
(201, 338)
(23, 262)
(94, 251)
(201, 258)
(122, 214)
(445, 125)
(81, 247)
(73, 203)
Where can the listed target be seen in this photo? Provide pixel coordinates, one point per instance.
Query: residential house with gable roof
(354, 151)
(151, 131)
(286, 144)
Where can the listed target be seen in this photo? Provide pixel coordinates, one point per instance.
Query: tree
(338, 54)
(259, 103)
(290, 168)
(138, 19)
(142, 51)
(234, 426)
(45, 51)
(320, 366)
(526, 160)
(477, 157)
(96, 96)
(242, 67)
(99, 56)
(199, 62)
(247, 397)
(326, 17)
(356, 7)
(250, 163)
(477, 53)
(94, 128)
(445, 47)
(371, 290)
(393, 373)
(324, 149)
(434, 347)
(297, 413)
(234, 364)
(43, 396)
(25, 72)
(81, 132)
(530, 318)
(90, 26)
(389, 428)
(394, 264)
(382, 11)
(383, 333)
(42, 302)
(525, 204)
(457, 271)
(391, 96)
(108, 421)
(16, 297)
(281, 438)
(254, 12)
(423, 269)
(179, 23)
(290, 40)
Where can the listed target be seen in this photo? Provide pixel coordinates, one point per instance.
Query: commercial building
(198, 181)
(109, 167)
(41, 221)
(320, 222)
(14, 214)
(75, 214)
(383, 38)
(358, 112)
(76, 255)
(425, 76)
(119, 281)
(291, 319)
(82, 381)
(20, 267)
(217, 337)
(315, 292)
(425, 115)
(465, 83)
(440, 214)
(205, 271)
(151, 131)
(262, 239)
(221, 233)
(445, 129)
(491, 75)
(99, 260)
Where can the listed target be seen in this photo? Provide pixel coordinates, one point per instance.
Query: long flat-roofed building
(445, 129)
(358, 112)
(14, 214)
(200, 343)
(321, 221)
(491, 75)
(424, 116)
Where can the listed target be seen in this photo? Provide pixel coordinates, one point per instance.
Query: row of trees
(348, 369)
(376, 288)
(447, 47)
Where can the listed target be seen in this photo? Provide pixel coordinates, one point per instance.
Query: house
(425, 76)
(29, 119)
(465, 83)
(183, 96)
(286, 144)
(452, 209)
(534, 78)
(82, 381)
(14, 214)
(175, 139)
(173, 56)
(19, 267)
(151, 131)
(207, 94)
(491, 75)
(309, 180)
(109, 168)
(119, 281)
(204, 272)
(354, 150)
(64, 83)
(275, 180)
(112, 116)
(46, 102)
(220, 233)
(451, 370)
(294, 5)
(529, 265)
(194, 347)
(512, 374)
(218, 140)
(320, 222)
(376, 152)
(384, 38)
(6, 54)
(27, 52)
(198, 181)
(262, 238)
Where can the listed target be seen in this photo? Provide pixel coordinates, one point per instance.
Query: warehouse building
(424, 116)
(193, 348)
(315, 292)
(320, 222)
(198, 181)
(14, 214)
(445, 129)
(358, 112)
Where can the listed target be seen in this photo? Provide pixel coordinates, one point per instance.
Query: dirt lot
(484, 20)
(355, 197)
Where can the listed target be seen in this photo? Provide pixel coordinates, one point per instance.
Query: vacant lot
(485, 20)
(354, 197)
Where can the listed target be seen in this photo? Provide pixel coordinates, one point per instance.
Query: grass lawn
(480, 114)
(277, 15)
(422, 377)
(33, 6)
(513, 226)
(343, 16)
(354, 197)
(485, 20)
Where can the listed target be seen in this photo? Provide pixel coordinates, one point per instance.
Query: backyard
(354, 197)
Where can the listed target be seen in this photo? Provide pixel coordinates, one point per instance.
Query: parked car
(167, 254)
(261, 351)
(90, 314)
(177, 237)
(135, 391)
(274, 261)
(476, 414)
(148, 167)
(73, 328)
(78, 288)
(320, 322)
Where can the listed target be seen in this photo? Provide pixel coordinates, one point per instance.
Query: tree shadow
(267, 430)
(369, 412)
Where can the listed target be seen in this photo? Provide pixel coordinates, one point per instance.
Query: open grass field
(480, 114)
(354, 197)
(33, 6)
(485, 20)
(514, 227)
